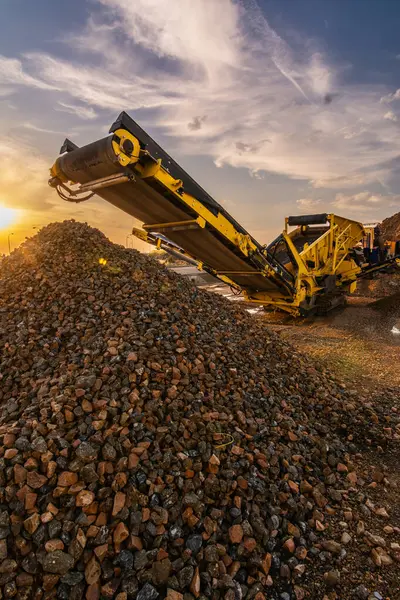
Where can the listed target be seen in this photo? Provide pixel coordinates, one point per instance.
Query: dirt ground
(359, 341)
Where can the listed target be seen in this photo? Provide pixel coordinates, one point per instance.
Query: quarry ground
(358, 344)
(356, 341)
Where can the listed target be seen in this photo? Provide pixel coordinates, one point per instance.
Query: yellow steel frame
(328, 253)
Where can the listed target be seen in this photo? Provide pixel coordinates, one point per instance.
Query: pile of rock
(157, 441)
(390, 228)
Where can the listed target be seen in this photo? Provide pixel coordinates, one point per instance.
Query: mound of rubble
(159, 442)
(390, 228)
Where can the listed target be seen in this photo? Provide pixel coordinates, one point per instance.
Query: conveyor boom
(131, 171)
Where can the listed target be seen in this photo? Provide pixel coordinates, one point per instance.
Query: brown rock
(236, 534)
(305, 487)
(120, 533)
(249, 543)
(30, 500)
(24, 580)
(101, 551)
(352, 477)
(341, 468)
(119, 503)
(195, 584)
(380, 557)
(93, 592)
(266, 563)
(54, 544)
(332, 578)
(84, 498)
(20, 474)
(32, 523)
(161, 571)
(67, 478)
(35, 480)
(332, 546)
(92, 571)
(9, 440)
(9, 454)
(378, 475)
(173, 595)
(133, 461)
(50, 581)
(289, 545)
(3, 549)
(136, 542)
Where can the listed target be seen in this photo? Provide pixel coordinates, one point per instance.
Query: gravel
(157, 441)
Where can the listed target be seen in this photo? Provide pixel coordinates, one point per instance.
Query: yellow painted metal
(219, 221)
(328, 254)
(123, 158)
(155, 226)
(326, 257)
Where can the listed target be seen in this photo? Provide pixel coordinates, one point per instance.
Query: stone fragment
(58, 562)
(92, 571)
(236, 534)
(332, 578)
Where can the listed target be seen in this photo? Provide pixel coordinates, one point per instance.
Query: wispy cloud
(12, 73)
(390, 116)
(308, 204)
(388, 98)
(218, 79)
(83, 112)
(28, 190)
(38, 129)
(365, 203)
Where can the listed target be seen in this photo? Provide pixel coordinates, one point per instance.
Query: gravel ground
(157, 441)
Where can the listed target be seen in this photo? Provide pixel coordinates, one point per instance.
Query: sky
(275, 107)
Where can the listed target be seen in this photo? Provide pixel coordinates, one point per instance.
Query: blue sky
(275, 106)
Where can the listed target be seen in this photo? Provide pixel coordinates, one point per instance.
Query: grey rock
(72, 578)
(194, 543)
(86, 452)
(361, 592)
(85, 382)
(148, 592)
(58, 562)
(185, 577)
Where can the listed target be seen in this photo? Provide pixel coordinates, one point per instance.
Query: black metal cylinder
(90, 162)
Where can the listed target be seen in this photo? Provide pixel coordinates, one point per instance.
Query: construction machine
(309, 267)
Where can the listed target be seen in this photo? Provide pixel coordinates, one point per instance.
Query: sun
(8, 216)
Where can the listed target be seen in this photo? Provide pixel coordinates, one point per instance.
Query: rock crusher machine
(304, 270)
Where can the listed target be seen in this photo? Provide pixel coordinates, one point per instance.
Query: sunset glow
(8, 216)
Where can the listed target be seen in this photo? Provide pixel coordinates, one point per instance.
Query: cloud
(271, 104)
(6, 91)
(388, 98)
(12, 73)
(197, 123)
(390, 116)
(83, 112)
(34, 127)
(365, 203)
(27, 189)
(308, 204)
